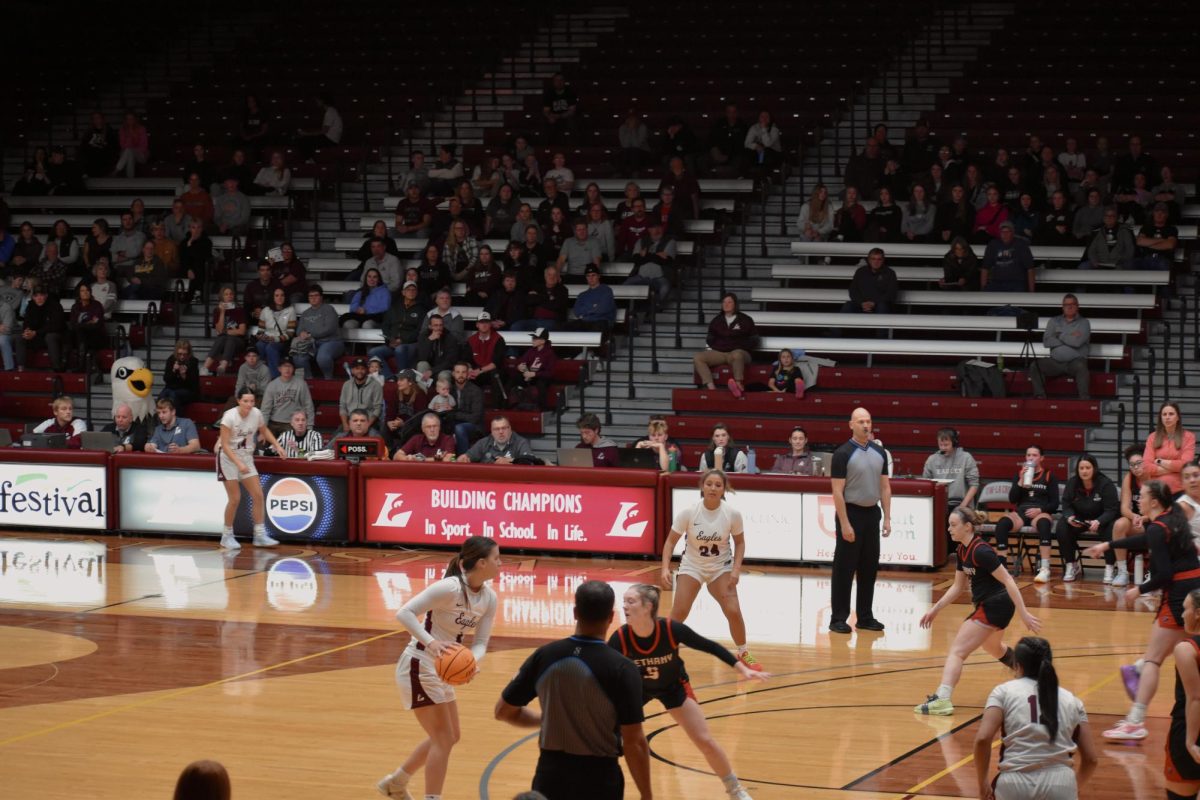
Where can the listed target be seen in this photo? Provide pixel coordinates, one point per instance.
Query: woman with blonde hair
(460, 252)
(816, 218)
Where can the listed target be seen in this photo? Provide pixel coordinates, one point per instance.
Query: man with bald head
(130, 435)
(860, 486)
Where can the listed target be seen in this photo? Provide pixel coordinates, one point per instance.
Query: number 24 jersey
(706, 533)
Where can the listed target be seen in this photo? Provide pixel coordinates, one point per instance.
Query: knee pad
(1043, 531)
(1009, 658)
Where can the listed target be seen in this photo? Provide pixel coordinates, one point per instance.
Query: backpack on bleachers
(977, 379)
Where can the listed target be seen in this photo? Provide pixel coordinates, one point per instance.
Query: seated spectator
(359, 428)
(195, 253)
(181, 376)
(1091, 505)
(654, 262)
(276, 327)
(954, 464)
(633, 227)
(433, 275)
(535, 256)
(595, 309)
(601, 231)
(546, 304)
(684, 186)
(950, 165)
(799, 459)
(1132, 202)
(428, 445)
(134, 144)
(130, 434)
(671, 213)
(483, 279)
(554, 199)
(64, 422)
(1007, 264)
(849, 221)
(98, 148)
(127, 244)
(317, 336)
(815, 222)
(1091, 180)
(8, 330)
(874, 287)
(487, 357)
(197, 202)
(1025, 217)
(1156, 241)
(459, 401)
(418, 172)
(229, 325)
(920, 148)
(105, 291)
(634, 139)
(401, 325)
(461, 250)
(1134, 162)
(45, 329)
(445, 173)
(403, 404)
(501, 447)
(507, 305)
(166, 250)
(787, 376)
(360, 391)
(173, 434)
(438, 349)
(531, 377)
(731, 337)
(299, 439)
(1131, 522)
(990, 218)
(472, 208)
(559, 107)
(284, 396)
(864, 170)
(414, 213)
(274, 179)
(727, 144)
(379, 230)
(140, 221)
(330, 133)
(578, 252)
(1073, 162)
(960, 268)
(764, 145)
(723, 454)
(86, 324)
(252, 376)
(562, 176)
(501, 212)
(369, 303)
(259, 293)
(201, 166)
(1055, 225)
(916, 224)
(604, 449)
(974, 188)
(27, 249)
(49, 270)
(1011, 187)
(625, 208)
(231, 209)
(33, 183)
(670, 456)
(1112, 245)
(487, 176)
(98, 244)
(558, 232)
(240, 171)
(451, 317)
(530, 175)
(290, 273)
(884, 220)
(1165, 190)
(1089, 217)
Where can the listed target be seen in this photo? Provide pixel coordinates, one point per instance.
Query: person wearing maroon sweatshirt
(731, 338)
(633, 228)
(487, 357)
(529, 383)
(64, 422)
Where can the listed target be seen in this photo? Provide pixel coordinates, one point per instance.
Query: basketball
(456, 665)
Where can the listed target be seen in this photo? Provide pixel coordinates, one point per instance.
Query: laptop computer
(5, 437)
(45, 441)
(97, 440)
(575, 457)
(635, 458)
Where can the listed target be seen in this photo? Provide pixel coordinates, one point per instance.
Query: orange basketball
(456, 665)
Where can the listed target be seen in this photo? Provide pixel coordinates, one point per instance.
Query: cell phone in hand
(275, 254)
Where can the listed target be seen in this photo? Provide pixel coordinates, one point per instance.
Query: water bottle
(1027, 474)
(673, 460)
(751, 461)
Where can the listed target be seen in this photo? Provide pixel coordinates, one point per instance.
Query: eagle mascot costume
(133, 384)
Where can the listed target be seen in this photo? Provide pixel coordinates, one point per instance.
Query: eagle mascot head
(133, 384)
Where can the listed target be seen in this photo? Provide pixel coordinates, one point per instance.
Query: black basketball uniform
(664, 676)
(993, 606)
(1180, 767)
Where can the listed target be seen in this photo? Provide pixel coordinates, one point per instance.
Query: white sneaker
(1122, 579)
(264, 540)
(1126, 731)
(740, 794)
(1109, 569)
(229, 542)
(389, 789)
(1043, 575)
(1071, 572)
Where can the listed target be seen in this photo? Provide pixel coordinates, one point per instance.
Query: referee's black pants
(562, 776)
(860, 559)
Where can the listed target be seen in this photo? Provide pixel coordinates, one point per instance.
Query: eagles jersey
(447, 611)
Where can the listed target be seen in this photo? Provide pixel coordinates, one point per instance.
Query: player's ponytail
(648, 594)
(1033, 654)
(472, 550)
(969, 516)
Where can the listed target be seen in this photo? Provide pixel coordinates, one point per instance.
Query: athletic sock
(1139, 665)
(1044, 564)
(1137, 714)
(433, 797)
(399, 777)
(260, 529)
(741, 648)
(1122, 568)
(731, 783)
(1009, 658)
(228, 531)
(944, 691)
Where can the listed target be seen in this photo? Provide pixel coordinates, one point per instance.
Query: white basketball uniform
(1194, 522)
(1032, 766)
(445, 612)
(241, 444)
(707, 551)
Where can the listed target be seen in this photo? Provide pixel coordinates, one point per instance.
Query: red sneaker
(799, 390)
(734, 389)
(750, 661)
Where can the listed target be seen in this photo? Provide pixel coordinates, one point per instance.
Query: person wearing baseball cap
(1007, 263)
(401, 326)
(45, 328)
(654, 261)
(529, 384)
(487, 357)
(360, 392)
(595, 308)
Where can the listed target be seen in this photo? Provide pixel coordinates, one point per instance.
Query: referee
(860, 485)
(591, 705)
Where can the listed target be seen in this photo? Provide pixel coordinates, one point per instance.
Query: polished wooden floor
(123, 659)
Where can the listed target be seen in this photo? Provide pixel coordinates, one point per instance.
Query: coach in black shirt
(860, 485)
(591, 699)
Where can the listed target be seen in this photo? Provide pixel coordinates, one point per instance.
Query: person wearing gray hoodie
(1112, 245)
(231, 210)
(317, 335)
(952, 463)
(284, 396)
(1066, 337)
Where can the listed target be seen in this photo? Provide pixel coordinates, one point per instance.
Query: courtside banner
(537, 516)
(34, 495)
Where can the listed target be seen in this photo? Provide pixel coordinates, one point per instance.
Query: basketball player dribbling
(439, 618)
(713, 550)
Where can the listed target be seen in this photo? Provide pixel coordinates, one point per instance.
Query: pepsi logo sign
(291, 506)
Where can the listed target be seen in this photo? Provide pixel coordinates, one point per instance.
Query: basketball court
(122, 659)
